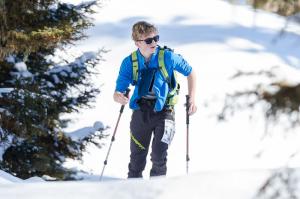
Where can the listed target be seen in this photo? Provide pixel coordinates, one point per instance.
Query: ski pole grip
(187, 109)
(126, 95)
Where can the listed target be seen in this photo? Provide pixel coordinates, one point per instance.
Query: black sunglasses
(151, 39)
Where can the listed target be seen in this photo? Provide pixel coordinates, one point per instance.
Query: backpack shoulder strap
(162, 66)
(173, 84)
(167, 48)
(135, 67)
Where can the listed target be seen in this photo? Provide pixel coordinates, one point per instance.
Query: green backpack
(172, 97)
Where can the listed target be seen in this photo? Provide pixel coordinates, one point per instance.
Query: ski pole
(187, 132)
(113, 136)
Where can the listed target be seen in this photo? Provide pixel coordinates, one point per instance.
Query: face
(147, 48)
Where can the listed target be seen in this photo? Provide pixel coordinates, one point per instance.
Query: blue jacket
(173, 61)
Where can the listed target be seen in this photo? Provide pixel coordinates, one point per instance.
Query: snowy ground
(217, 39)
(208, 185)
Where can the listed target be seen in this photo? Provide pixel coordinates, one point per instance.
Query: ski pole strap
(126, 95)
(187, 109)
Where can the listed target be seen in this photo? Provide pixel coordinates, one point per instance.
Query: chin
(153, 49)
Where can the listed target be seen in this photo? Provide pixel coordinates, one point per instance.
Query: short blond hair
(142, 28)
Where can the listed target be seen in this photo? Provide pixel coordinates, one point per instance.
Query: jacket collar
(142, 59)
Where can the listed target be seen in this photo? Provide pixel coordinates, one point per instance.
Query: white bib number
(169, 131)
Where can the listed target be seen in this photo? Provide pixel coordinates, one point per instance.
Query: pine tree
(35, 90)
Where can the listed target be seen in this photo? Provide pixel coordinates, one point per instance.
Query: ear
(136, 43)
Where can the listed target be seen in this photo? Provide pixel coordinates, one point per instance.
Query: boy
(151, 70)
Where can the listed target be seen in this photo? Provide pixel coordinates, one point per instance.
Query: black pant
(143, 123)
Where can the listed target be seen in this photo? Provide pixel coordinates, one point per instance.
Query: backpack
(172, 97)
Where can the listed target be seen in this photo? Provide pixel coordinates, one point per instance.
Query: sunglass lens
(148, 41)
(156, 38)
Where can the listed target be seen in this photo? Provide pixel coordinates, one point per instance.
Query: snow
(6, 178)
(6, 90)
(212, 185)
(22, 70)
(86, 131)
(218, 39)
(21, 66)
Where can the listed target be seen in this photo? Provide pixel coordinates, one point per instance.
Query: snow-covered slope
(209, 185)
(6, 178)
(217, 39)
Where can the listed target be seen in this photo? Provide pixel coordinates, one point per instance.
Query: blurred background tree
(281, 7)
(279, 99)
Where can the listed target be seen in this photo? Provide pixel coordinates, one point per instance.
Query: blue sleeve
(179, 64)
(125, 75)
